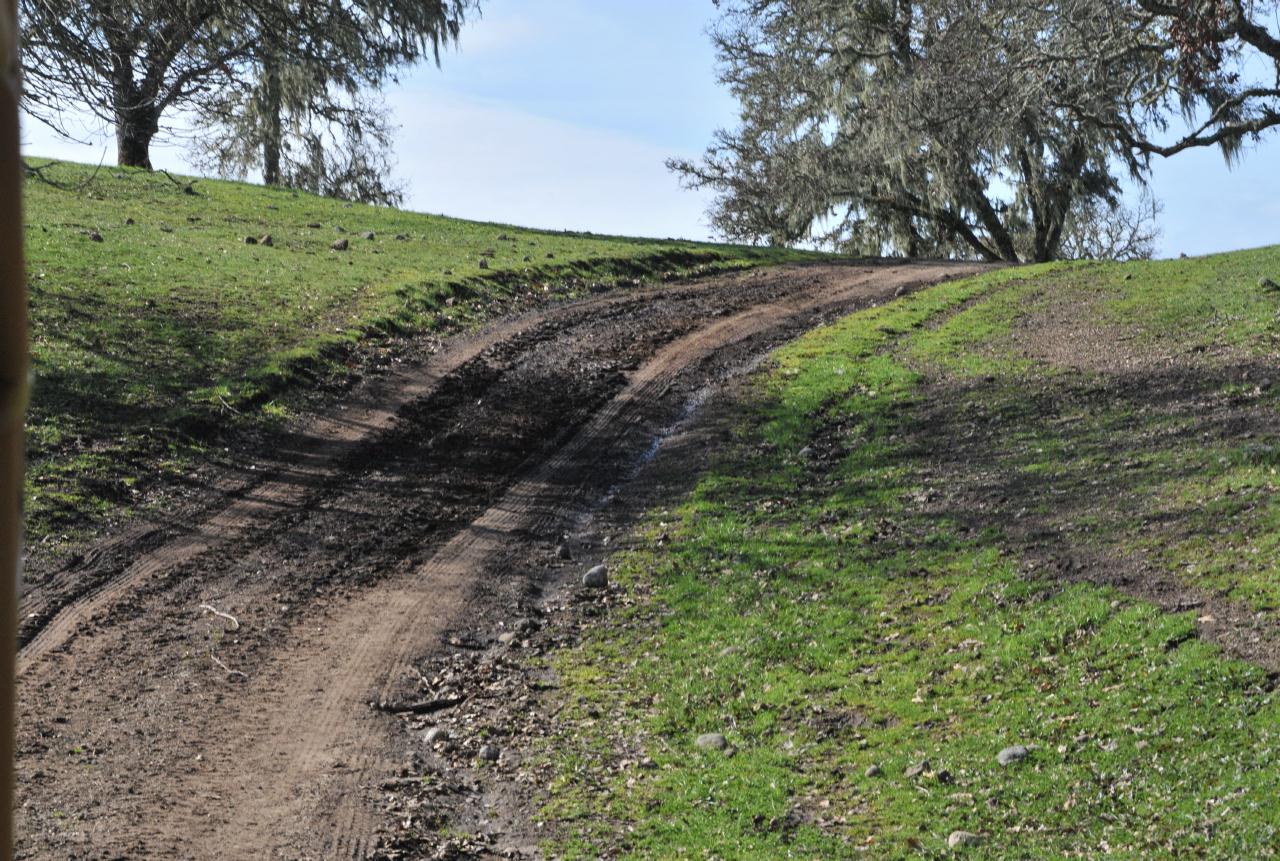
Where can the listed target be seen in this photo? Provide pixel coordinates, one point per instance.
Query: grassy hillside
(156, 325)
(989, 514)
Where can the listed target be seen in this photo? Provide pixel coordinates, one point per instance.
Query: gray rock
(711, 741)
(369, 234)
(435, 734)
(596, 578)
(1012, 754)
(872, 771)
(490, 753)
(916, 769)
(506, 638)
(963, 838)
(340, 245)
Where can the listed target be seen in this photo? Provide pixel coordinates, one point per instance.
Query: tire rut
(287, 762)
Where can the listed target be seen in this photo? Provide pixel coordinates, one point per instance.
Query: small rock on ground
(1268, 284)
(369, 234)
(916, 769)
(711, 741)
(490, 753)
(963, 838)
(340, 245)
(506, 638)
(435, 734)
(266, 240)
(872, 771)
(596, 578)
(1012, 754)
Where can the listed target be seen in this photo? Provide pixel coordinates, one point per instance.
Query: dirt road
(216, 684)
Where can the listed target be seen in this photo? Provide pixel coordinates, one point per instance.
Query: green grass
(148, 343)
(829, 616)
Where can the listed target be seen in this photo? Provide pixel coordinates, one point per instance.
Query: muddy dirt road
(217, 683)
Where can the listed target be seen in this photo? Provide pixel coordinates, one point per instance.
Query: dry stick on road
(209, 608)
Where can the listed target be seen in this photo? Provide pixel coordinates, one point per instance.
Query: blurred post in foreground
(13, 399)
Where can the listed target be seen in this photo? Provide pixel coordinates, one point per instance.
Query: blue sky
(560, 113)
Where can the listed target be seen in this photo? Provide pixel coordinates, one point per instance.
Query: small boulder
(963, 838)
(369, 234)
(340, 245)
(490, 753)
(872, 771)
(1012, 754)
(507, 638)
(596, 578)
(435, 735)
(916, 769)
(711, 741)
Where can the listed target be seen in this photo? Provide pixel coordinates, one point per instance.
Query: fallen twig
(228, 406)
(186, 187)
(209, 608)
(38, 172)
(226, 669)
(425, 707)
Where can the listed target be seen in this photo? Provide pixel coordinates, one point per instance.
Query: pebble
(435, 734)
(339, 245)
(369, 234)
(490, 753)
(1012, 754)
(917, 769)
(596, 578)
(506, 638)
(711, 741)
(963, 838)
(872, 771)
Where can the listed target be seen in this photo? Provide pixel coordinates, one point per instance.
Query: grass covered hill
(992, 571)
(165, 311)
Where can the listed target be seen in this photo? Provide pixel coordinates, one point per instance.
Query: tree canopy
(259, 69)
(1001, 129)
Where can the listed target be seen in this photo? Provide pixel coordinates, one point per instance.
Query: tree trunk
(272, 135)
(135, 127)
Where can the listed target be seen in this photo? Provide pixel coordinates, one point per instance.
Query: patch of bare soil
(1113, 404)
(249, 678)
